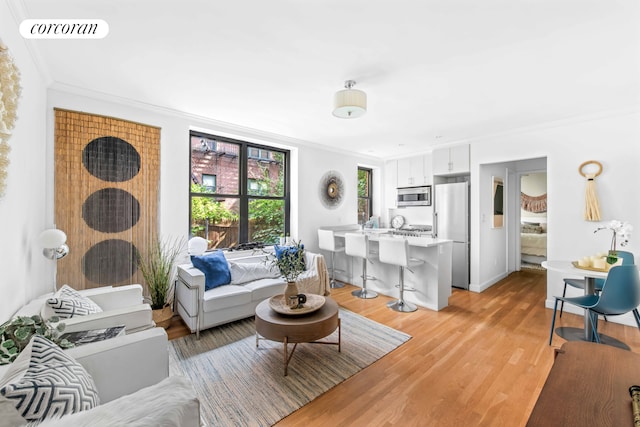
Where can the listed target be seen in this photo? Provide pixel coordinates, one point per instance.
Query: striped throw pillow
(68, 302)
(52, 385)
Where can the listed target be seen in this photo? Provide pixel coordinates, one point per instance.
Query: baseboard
(487, 283)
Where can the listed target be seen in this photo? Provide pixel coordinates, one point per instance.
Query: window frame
(243, 196)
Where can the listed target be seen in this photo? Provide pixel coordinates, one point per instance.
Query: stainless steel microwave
(414, 196)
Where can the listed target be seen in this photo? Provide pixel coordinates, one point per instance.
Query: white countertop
(377, 233)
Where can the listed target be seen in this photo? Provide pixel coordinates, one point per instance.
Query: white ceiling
(435, 71)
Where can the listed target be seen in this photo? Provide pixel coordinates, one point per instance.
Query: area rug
(532, 266)
(241, 385)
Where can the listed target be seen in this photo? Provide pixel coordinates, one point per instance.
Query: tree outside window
(365, 203)
(237, 191)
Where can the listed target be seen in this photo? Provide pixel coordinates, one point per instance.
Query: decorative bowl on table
(279, 304)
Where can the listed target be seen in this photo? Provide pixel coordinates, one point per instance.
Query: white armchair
(121, 305)
(125, 364)
(170, 403)
(131, 375)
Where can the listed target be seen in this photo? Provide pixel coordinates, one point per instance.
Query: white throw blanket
(314, 280)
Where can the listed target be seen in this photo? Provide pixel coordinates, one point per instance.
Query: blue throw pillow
(215, 268)
(289, 250)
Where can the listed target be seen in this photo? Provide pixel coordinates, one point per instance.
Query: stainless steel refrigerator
(451, 221)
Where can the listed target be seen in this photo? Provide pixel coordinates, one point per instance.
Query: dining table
(570, 270)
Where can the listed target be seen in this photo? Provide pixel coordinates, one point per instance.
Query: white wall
(27, 207)
(491, 242)
(25, 272)
(309, 164)
(611, 140)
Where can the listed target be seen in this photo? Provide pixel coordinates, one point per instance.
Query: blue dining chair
(620, 294)
(627, 258)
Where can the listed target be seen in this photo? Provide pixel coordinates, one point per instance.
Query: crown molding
(18, 11)
(206, 124)
(567, 121)
(221, 128)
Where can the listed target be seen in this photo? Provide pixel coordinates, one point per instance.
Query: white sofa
(121, 305)
(202, 309)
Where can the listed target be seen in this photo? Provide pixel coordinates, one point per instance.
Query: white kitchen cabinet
(451, 161)
(414, 171)
(427, 173)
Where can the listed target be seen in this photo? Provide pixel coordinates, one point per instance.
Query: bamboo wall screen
(106, 196)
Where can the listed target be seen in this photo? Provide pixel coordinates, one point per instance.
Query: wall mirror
(498, 202)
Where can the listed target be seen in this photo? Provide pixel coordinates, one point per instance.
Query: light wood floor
(482, 361)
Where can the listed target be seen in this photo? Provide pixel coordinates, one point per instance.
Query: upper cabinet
(414, 171)
(390, 183)
(451, 161)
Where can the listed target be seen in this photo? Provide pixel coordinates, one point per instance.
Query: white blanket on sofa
(310, 282)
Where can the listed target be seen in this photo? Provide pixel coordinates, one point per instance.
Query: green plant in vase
(290, 262)
(158, 269)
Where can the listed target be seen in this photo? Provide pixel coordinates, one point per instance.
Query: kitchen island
(431, 281)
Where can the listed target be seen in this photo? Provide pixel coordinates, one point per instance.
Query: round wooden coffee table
(306, 328)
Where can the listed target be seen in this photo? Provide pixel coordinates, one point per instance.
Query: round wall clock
(331, 189)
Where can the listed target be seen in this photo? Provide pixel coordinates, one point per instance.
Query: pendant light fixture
(349, 103)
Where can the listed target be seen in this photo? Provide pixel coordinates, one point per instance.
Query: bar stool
(394, 250)
(357, 245)
(327, 242)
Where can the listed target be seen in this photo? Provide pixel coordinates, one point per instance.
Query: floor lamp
(53, 242)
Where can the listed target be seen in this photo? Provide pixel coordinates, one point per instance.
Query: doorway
(533, 219)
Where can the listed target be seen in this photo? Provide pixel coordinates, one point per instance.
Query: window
(238, 191)
(257, 187)
(258, 153)
(209, 182)
(365, 204)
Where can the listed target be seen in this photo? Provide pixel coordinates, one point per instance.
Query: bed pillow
(215, 268)
(45, 382)
(244, 272)
(68, 303)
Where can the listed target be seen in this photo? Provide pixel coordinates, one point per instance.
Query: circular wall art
(111, 159)
(110, 261)
(111, 210)
(331, 189)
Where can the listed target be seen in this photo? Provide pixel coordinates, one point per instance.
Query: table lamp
(53, 242)
(198, 246)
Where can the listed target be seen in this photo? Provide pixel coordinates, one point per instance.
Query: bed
(533, 243)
